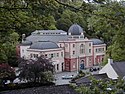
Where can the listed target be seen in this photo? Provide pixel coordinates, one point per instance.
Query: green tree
(102, 87)
(8, 48)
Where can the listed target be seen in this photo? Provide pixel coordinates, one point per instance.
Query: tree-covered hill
(104, 19)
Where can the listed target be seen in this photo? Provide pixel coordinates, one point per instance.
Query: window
(66, 45)
(102, 49)
(73, 45)
(89, 50)
(82, 47)
(96, 50)
(62, 66)
(51, 55)
(57, 54)
(57, 66)
(89, 44)
(74, 65)
(60, 45)
(73, 52)
(31, 55)
(46, 55)
(62, 54)
(23, 51)
(82, 51)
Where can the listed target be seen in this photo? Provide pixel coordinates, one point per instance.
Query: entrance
(82, 65)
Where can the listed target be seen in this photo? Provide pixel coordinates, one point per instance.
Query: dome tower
(75, 29)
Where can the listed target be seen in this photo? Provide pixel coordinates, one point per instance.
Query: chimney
(23, 37)
(110, 61)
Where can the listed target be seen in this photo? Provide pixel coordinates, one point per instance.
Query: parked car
(67, 77)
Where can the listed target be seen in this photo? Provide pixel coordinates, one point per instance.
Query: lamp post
(78, 64)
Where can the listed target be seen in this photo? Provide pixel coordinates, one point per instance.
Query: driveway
(60, 81)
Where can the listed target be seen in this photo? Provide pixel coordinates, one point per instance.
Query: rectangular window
(73, 52)
(57, 54)
(82, 51)
(96, 50)
(51, 55)
(89, 50)
(62, 54)
(31, 55)
(73, 45)
(66, 45)
(60, 45)
(57, 66)
(89, 44)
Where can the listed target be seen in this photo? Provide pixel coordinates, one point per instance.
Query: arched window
(82, 47)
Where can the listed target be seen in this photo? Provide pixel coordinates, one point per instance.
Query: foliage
(8, 45)
(39, 70)
(97, 18)
(102, 87)
(6, 73)
(79, 75)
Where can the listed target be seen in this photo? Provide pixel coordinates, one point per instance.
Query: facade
(69, 51)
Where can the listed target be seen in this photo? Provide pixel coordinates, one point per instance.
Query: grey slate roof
(54, 38)
(86, 80)
(25, 43)
(97, 41)
(75, 29)
(49, 31)
(119, 67)
(44, 45)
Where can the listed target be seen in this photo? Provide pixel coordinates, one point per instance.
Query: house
(114, 69)
(69, 51)
(87, 80)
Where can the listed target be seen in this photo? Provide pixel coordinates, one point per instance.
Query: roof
(54, 38)
(119, 67)
(48, 32)
(62, 89)
(86, 80)
(97, 41)
(26, 43)
(44, 45)
(75, 29)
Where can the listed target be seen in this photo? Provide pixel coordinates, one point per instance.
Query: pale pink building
(69, 51)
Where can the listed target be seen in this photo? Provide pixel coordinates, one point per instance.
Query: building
(87, 80)
(114, 69)
(69, 51)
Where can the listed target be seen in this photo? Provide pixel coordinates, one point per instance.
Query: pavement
(60, 81)
(58, 76)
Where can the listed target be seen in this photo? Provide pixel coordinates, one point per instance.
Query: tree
(102, 87)
(68, 18)
(40, 70)
(107, 24)
(6, 73)
(8, 48)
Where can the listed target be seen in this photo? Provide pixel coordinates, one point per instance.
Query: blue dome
(26, 43)
(44, 45)
(97, 41)
(75, 29)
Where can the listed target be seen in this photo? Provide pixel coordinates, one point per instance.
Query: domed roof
(26, 43)
(75, 29)
(97, 41)
(44, 45)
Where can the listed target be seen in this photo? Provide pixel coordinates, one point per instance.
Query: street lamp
(78, 64)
